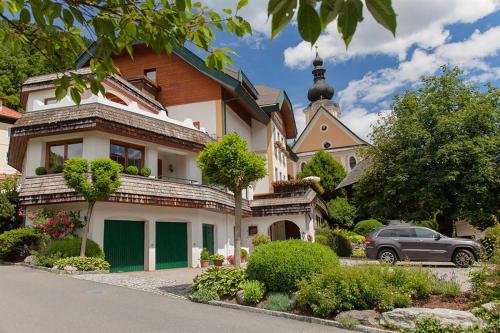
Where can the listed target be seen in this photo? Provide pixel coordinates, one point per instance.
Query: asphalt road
(37, 301)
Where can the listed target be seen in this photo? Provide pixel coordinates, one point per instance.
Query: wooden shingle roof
(287, 203)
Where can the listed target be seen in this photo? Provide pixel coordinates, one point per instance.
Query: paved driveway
(37, 301)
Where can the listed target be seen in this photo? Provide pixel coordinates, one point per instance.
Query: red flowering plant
(56, 224)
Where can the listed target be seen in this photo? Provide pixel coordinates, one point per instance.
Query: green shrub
(485, 282)
(203, 296)
(352, 236)
(132, 170)
(70, 247)
(419, 282)
(205, 255)
(253, 291)
(434, 325)
(217, 257)
(491, 243)
(447, 289)
(146, 172)
(366, 227)
(321, 239)
(83, 263)
(243, 253)
(342, 212)
(16, 244)
(43, 260)
(40, 171)
(260, 239)
(277, 302)
(281, 264)
(336, 240)
(347, 322)
(223, 281)
(358, 253)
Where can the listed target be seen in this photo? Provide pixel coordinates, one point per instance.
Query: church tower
(321, 93)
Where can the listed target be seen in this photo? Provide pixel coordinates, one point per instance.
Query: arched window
(327, 145)
(324, 128)
(352, 162)
(113, 98)
(302, 166)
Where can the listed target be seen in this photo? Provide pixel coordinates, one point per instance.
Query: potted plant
(218, 259)
(204, 257)
(243, 255)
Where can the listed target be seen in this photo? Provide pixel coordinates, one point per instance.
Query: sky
(376, 66)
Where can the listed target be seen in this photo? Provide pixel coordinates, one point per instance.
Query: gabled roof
(355, 174)
(272, 100)
(335, 119)
(8, 114)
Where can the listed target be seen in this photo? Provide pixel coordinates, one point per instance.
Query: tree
(104, 181)
(57, 29)
(229, 163)
(9, 204)
(341, 212)
(437, 154)
(330, 171)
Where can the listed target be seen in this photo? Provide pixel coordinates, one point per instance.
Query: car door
(432, 248)
(408, 246)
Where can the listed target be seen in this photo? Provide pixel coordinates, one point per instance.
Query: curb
(59, 271)
(312, 320)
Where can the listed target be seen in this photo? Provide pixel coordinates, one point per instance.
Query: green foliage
(16, 244)
(434, 325)
(365, 227)
(83, 263)
(205, 255)
(336, 240)
(278, 302)
(330, 171)
(115, 26)
(358, 253)
(105, 177)
(229, 163)
(321, 239)
(445, 288)
(485, 283)
(431, 224)
(45, 260)
(281, 264)
(437, 153)
(260, 239)
(311, 21)
(70, 247)
(363, 287)
(253, 291)
(342, 212)
(132, 170)
(40, 171)
(146, 172)
(243, 253)
(222, 281)
(352, 236)
(203, 296)
(491, 243)
(217, 257)
(9, 204)
(347, 322)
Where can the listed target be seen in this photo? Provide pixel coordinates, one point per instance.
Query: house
(324, 130)
(7, 118)
(160, 113)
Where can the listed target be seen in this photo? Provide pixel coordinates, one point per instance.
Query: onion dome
(320, 89)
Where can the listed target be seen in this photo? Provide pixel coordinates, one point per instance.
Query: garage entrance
(171, 245)
(124, 245)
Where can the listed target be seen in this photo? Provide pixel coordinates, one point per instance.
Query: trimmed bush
(70, 247)
(222, 281)
(277, 302)
(253, 291)
(336, 240)
(243, 253)
(16, 244)
(203, 296)
(132, 170)
(260, 239)
(281, 264)
(45, 261)
(341, 212)
(83, 263)
(40, 171)
(321, 239)
(366, 227)
(146, 172)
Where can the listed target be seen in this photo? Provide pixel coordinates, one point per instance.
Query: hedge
(17, 244)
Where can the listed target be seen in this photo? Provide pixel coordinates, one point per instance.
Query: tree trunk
(83, 247)
(237, 227)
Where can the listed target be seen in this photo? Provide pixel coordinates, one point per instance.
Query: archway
(283, 230)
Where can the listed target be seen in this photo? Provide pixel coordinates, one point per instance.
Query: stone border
(287, 315)
(60, 271)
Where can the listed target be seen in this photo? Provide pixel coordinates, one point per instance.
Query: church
(324, 130)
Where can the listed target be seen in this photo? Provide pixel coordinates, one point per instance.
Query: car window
(387, 233)
(403, 232)
(424, 233)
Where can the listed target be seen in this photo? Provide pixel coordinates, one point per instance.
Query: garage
(124, 245)
(171, 245)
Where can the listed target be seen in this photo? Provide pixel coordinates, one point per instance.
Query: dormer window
(50, 100)
(327, 145)
(150, 74)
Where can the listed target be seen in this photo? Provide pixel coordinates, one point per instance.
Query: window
(302, 166)
(327, 145)
(352, 162)
(127, 154)
(50, 100)
(58, 152)
(403, 232)
(324, 128)
(276, 174)
(150, 74)
(424, 233)
(252, 230)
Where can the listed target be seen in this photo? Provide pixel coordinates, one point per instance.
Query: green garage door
(124, 245)
(171, 245)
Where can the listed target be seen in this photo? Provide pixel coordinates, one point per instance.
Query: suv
(401, 242)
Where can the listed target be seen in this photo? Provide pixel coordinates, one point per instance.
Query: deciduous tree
(228, 163)
(341, 212)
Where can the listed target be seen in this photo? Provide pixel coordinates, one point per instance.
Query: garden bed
(460, 302)
(61, 271)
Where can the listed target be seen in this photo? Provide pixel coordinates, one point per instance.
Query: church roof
(355, 174)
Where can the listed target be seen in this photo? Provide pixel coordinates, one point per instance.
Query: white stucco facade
(4, 148)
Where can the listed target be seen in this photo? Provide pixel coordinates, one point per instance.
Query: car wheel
(387, 256)
(463, 258)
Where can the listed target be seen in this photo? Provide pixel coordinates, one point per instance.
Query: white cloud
(360, 121)
(300, 117)
(420, 23)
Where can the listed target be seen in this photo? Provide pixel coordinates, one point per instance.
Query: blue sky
(376, 65)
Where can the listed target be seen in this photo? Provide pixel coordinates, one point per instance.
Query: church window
(302, 166)
(352, 162)
(327, 145)
(324, 128)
